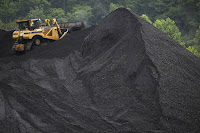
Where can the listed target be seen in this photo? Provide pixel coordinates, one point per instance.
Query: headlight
(21, 33)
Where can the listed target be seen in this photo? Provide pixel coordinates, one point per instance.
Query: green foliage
(11, 25)
(36, 13)
(114, 7)
(25, 6)
(99, 10)
(194, 51)
(197, 37)
(80, 13)
(7, 12)
(169, 27)
(1, 25)
(59, 4)
(57, 13)
(146, 18)
(8, 25)
(151, 7)
(128, 4)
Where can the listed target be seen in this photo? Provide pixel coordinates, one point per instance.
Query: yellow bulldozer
(32, 33)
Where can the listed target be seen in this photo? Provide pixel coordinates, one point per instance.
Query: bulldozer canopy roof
(18, 21)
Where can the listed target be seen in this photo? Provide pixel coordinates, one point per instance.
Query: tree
(8, 13)
(120, 5)
(197, 37)
(36, 13)
(25, 6)
(195, 42)
(194, 51)
(129, 4)
(59, 4)
(1, 25)
(114, 7)
(80, 13)
(57, 13)
(99, 10)
(146, 18)
(169, 27)
(186, 14)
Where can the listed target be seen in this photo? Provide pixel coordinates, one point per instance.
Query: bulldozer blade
(64, 34)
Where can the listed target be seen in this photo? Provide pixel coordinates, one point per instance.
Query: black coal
(123, 75)
(6, 43)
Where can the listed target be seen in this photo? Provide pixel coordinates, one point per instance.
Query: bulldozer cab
(23, 25)
(29, 24)
(35, 24)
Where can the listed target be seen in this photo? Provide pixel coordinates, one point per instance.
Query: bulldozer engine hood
(33, 32)
(27, 34)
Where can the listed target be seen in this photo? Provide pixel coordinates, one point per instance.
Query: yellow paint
(41, 31)
(20, 47)
(32, 29)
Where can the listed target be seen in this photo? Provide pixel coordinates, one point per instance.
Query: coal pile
(123, 75)
(6, 43)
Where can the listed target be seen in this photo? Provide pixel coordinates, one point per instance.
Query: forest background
(180, 19)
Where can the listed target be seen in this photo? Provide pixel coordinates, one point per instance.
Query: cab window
(23, 25)
(35, 24)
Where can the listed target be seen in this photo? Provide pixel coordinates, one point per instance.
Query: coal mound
(127, 77)
(6, 43)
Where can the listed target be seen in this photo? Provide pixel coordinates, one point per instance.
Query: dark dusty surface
(126, 76)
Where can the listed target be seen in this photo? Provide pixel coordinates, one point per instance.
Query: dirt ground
(122, 75)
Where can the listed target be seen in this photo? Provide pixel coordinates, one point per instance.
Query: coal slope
(128, 77)
(6, 43)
